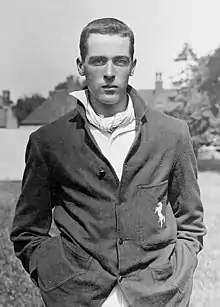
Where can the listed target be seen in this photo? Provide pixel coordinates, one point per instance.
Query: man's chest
(86, 159)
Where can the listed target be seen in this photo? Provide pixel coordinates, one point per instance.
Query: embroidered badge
(161, 217)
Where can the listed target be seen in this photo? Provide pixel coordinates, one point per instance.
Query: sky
(39, 38)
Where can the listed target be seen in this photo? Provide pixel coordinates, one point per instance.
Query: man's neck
(108, 110)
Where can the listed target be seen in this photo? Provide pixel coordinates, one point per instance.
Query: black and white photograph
(109, 153)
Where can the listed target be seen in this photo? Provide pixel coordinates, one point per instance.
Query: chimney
(158, 82)
(6, 97)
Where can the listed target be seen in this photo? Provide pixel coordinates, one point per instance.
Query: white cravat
(108, 124)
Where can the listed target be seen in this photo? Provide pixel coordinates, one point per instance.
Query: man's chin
(109, 99)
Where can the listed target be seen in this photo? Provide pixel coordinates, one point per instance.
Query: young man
(122, 180)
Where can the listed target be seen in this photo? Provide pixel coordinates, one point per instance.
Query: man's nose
(109, 71)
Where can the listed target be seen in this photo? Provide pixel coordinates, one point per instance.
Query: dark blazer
(143, 232)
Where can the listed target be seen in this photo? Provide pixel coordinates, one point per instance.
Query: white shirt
(115, 146)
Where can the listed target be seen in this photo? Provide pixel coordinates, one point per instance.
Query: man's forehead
(105, 44)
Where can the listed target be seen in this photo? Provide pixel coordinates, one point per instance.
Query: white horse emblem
(161, 217)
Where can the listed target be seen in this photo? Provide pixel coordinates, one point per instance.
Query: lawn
(16, 289)
(207, 276)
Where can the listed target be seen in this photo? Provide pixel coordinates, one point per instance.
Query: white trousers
(116, 299)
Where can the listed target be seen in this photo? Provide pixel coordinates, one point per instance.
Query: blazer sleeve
(184, 193)
(33, 213)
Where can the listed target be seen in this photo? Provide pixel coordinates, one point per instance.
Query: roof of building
(51, 108)
(159, 100)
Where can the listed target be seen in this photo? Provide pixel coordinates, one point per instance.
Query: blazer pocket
(184, 261)
(150, 210)
(55, 265)
(161, 273)
(193, 253)
(153, 185)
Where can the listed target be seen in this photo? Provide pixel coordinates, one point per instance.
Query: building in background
(159, 98)
(7, 118)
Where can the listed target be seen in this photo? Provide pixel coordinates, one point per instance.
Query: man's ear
(80, 66)
(133, 67)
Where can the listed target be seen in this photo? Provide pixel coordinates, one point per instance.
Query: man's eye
(98, 61)
(121, 61)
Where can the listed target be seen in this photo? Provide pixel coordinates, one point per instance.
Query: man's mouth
(109, 86)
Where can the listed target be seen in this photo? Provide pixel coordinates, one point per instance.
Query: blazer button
(101, 173)
(120, 241)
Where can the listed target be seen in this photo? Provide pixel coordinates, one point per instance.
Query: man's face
(107, 67)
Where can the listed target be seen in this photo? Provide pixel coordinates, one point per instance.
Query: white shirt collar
(81, 96)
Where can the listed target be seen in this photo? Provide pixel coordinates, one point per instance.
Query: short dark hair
(104, 26)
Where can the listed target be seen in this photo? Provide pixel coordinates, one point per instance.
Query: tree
(192, 103)
(211, 82)
(61, 86)
(73, 83)
(26, 105)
